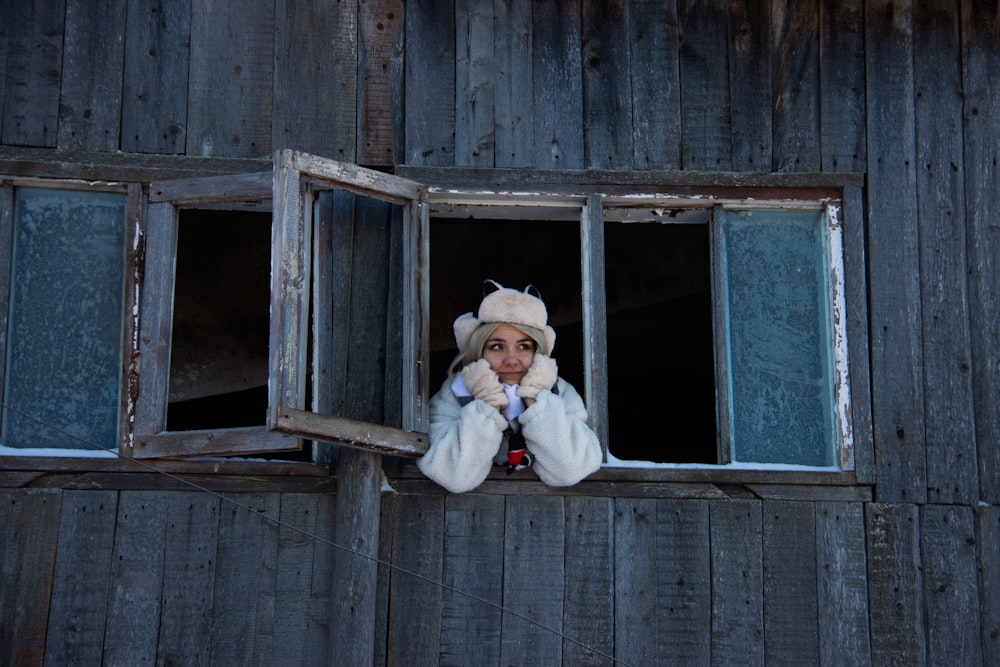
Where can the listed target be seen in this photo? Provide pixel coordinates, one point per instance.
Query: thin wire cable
(278, 522)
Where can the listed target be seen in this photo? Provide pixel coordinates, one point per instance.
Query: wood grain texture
(470, 607)
(842, 85)
(155, 86)
(514, 102)
(557, 85)
(90, 101)
(475, 95)
(314, 106)
(82, 578)
(417, 549)
(842, 585)
(379, 28)
(588, 611)
(894, 256)
(430, 88)
(988, 559)
(607, 87)
(981, 109)
(737, 583)
(27, 563)
(895, 586)
(791, 612)
(755, 93)
(796, 93)
(33, 72)
(534, 553)
(245, 581)
(655, 84)
(706, 142)
(949, 421)
(948, 548)
(231, 79)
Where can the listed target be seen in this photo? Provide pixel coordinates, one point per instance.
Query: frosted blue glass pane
(65, 321)
(779, 337)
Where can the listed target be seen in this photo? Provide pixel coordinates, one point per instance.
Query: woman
(503, 402)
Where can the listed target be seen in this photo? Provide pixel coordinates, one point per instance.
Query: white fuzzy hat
(502, 305)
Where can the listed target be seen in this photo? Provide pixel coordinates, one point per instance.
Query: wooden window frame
(166, 200)
(500, 194)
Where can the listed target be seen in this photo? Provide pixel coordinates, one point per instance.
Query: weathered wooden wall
(903, 569)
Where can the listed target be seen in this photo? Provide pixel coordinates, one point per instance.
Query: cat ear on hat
(533, 291)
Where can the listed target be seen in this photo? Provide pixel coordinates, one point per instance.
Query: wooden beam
(352, 433)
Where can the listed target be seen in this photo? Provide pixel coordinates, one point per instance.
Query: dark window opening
(515, 253)
(219, 351)
(661, 373)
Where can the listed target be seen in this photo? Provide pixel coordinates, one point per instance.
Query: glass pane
(778, 329)
(65, 326)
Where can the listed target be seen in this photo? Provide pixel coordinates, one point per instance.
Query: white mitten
(541, 375)
(484, 384)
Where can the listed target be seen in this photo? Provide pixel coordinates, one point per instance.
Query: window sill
(690, 482)
(93, 473)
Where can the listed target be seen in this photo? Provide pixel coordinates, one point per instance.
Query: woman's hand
(483, 383)
(541, 375)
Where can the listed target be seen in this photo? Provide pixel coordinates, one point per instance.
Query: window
(204, 326)
(61, 315)
(705, 324)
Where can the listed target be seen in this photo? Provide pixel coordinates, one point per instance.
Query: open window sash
(298, 178)
(167, 199)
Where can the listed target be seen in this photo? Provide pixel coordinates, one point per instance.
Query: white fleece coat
(464, 439)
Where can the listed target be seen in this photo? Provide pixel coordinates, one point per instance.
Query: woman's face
(509, 353)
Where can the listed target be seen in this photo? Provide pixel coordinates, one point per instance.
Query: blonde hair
(474, 347)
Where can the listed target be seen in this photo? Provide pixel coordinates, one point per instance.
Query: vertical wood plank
(683, 583)
(27, 563)
(302, 634)
(33, 72)
(190, 544)
(588, 611)
(6, 252)
(430, 83)
(655, 76)
(895, 585)
(981, 154)
(534, 552)
(418, 547)
(378, 26)
(988, 547)
(737, 583)
(75, 634)
(90, 103)
(231, 79)
(706, 142)
(796, 99)
(245, 581)
(637, 633)
(894, 255)
(948, 546)
(607, 85)
(315, 71)
(842, 585)
(947, 355)
(791, 613)
(754, 112)
(856, 301)
(355, 576)
(557, 85)
(133, 611)
(155, 86)
(514, 112)
(475, 116)
(473, 546)
(842, 86)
